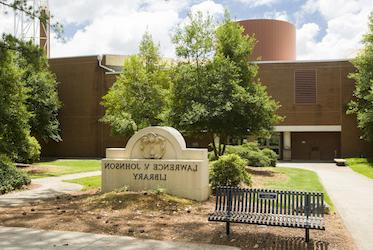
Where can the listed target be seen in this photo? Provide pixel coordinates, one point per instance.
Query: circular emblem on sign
(152, 146)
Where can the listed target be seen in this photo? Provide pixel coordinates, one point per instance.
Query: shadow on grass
(261, 172)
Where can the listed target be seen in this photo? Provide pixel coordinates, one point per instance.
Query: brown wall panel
(279, 79)
(78, 79)
(315, 145)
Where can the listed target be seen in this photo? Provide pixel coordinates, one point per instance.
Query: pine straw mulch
(159, 216)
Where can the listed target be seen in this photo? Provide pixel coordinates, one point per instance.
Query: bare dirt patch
(151, 216)
(35, 169)
(262, 176)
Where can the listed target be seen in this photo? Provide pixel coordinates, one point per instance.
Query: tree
(362, 105)
(29, 100)
(139, 96)
(15, 140)
(220, 95)
(42, 99)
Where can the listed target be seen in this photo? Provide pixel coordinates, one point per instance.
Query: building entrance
(315, 145)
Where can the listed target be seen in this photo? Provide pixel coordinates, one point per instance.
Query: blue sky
(326, 29)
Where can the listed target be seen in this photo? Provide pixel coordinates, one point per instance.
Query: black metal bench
(296, 209)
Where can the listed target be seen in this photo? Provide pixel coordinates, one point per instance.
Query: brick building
(313, 97)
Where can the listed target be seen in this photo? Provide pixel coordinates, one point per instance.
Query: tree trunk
(214, 146)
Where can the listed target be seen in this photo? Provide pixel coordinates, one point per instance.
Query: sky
(325, 29)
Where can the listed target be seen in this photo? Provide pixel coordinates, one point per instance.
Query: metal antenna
(31, 28)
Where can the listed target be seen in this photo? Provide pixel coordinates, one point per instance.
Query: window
(274, 143)
(305, 86)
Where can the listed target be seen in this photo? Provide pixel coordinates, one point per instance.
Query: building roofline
(72, 57)
(265, 19)
(304, 61)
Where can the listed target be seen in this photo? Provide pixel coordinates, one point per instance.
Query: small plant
(159, 191)
(122, 189)
(229, 170)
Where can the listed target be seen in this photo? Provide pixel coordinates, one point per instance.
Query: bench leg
(227, 229)
(307, 235)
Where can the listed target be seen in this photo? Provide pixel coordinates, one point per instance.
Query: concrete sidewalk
(13, 238)
(47, 188)
(352, 196)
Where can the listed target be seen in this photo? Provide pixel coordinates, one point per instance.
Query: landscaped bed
(148, 215)
(276, 178)
(156, 215)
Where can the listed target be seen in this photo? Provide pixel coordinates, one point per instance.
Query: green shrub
(254, 155)
(252, 146)
(34, 149)
(10, 177)
(257, 159)
(229, 170)
(271, 155)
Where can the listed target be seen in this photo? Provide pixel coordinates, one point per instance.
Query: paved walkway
(14, 238)
(47, 187)
(352, 195)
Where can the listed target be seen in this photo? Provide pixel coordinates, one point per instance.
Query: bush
(257, 159)
(229, 170)
(271, 155)
(10, 177)
(254, 155)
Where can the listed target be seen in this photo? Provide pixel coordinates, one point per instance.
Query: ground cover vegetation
(47, 168)
(362, 105)
(212, 90)
(28, 102)
(362, 166)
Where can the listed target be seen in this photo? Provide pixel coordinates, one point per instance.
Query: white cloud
(209, 7)
(346, 22)
(120, 34)
(278, 15)
(117, 28)
(255, 3)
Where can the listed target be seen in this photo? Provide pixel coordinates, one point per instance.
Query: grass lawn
(363, 166)
(289, 179)
(62, 167)
(87, 182)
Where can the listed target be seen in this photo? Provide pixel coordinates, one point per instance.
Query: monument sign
(157, 157)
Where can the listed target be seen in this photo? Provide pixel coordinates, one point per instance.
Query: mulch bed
(150, 216)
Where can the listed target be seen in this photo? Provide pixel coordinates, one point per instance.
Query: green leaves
(139, 97)
(29, 100)
(362, 106)
(194, 41)
(219, 95)
(212, 89)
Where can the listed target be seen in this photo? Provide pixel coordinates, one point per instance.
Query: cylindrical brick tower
(275, 39)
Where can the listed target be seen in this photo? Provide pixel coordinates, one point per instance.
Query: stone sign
(157, 157)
